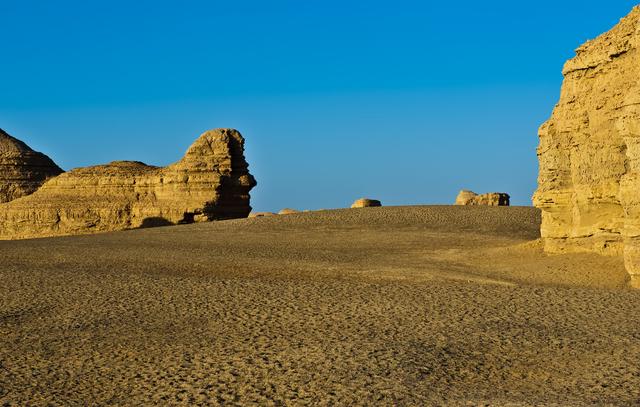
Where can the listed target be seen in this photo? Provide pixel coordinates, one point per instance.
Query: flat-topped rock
(466, 197)
(366, 203)
(288, 211)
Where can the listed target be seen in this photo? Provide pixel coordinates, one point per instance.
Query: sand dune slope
(408, 305)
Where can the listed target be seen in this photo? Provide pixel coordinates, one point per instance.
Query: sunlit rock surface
(22, 170)
(589, 152)
(466, 197)
(210, 182)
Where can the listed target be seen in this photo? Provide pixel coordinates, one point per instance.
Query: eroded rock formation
(262, 214)
(22, 170)
(210, 182)
(589, 152)
(366, 203)
(288, 211)
(466, 197)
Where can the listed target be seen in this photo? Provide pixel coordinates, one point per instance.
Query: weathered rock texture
(589, 152)
(22, 170)
(366, 203)
(466, 197)
(210, 182)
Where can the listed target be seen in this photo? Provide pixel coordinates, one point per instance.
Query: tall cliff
(22, 170)
(589, 152)
(210, 182)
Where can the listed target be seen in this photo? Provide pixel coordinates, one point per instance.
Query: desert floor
(429, 305)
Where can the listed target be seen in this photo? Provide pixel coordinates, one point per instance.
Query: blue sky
(403, 101)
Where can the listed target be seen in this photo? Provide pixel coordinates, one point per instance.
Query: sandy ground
(385, 306)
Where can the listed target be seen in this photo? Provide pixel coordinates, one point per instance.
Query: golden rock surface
(22, 170)
(366, 203)
(589, 151)
(466, 197)
(210, 182)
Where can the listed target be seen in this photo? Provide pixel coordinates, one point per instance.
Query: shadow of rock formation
(155, 222)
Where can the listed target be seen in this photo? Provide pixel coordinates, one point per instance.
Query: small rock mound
(466, 197)
(288, 211)
(366, 203)
(261, 214)
(22, 170)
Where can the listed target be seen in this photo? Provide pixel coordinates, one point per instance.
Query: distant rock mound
(262, 214)
(22, 170)
(210, 182)
(365, 203)
(466, 197)
(589, 152)
(288, 211)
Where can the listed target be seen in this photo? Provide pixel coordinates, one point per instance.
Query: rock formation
(210, 182)
(262, 214)
(589, 152)
(288, 211)
(22, 170)
(466, 197)
(365, 203)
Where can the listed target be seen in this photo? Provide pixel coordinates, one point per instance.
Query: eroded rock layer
(589, 152)
(210, 182)
(22, 170)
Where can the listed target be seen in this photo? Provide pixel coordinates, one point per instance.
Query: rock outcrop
(22, 170)
(589, 152)
(210, 182)
(262, 214)
(288, 211)
(466, 197)
(366, 203)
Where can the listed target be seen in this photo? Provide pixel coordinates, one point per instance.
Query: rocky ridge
(589, 151)
(211, 182)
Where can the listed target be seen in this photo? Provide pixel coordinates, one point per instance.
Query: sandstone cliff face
(589, 152)
(22, 170)
(466, 197)
(210, 182)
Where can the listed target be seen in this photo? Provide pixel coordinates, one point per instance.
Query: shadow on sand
(155, 222)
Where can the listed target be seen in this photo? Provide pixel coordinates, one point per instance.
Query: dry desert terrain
(426, 305)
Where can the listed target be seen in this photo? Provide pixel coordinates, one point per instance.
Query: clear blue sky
(404, 101)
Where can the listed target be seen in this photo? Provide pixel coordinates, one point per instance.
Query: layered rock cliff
(22, 170)
(210, 182)
(589, 152)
